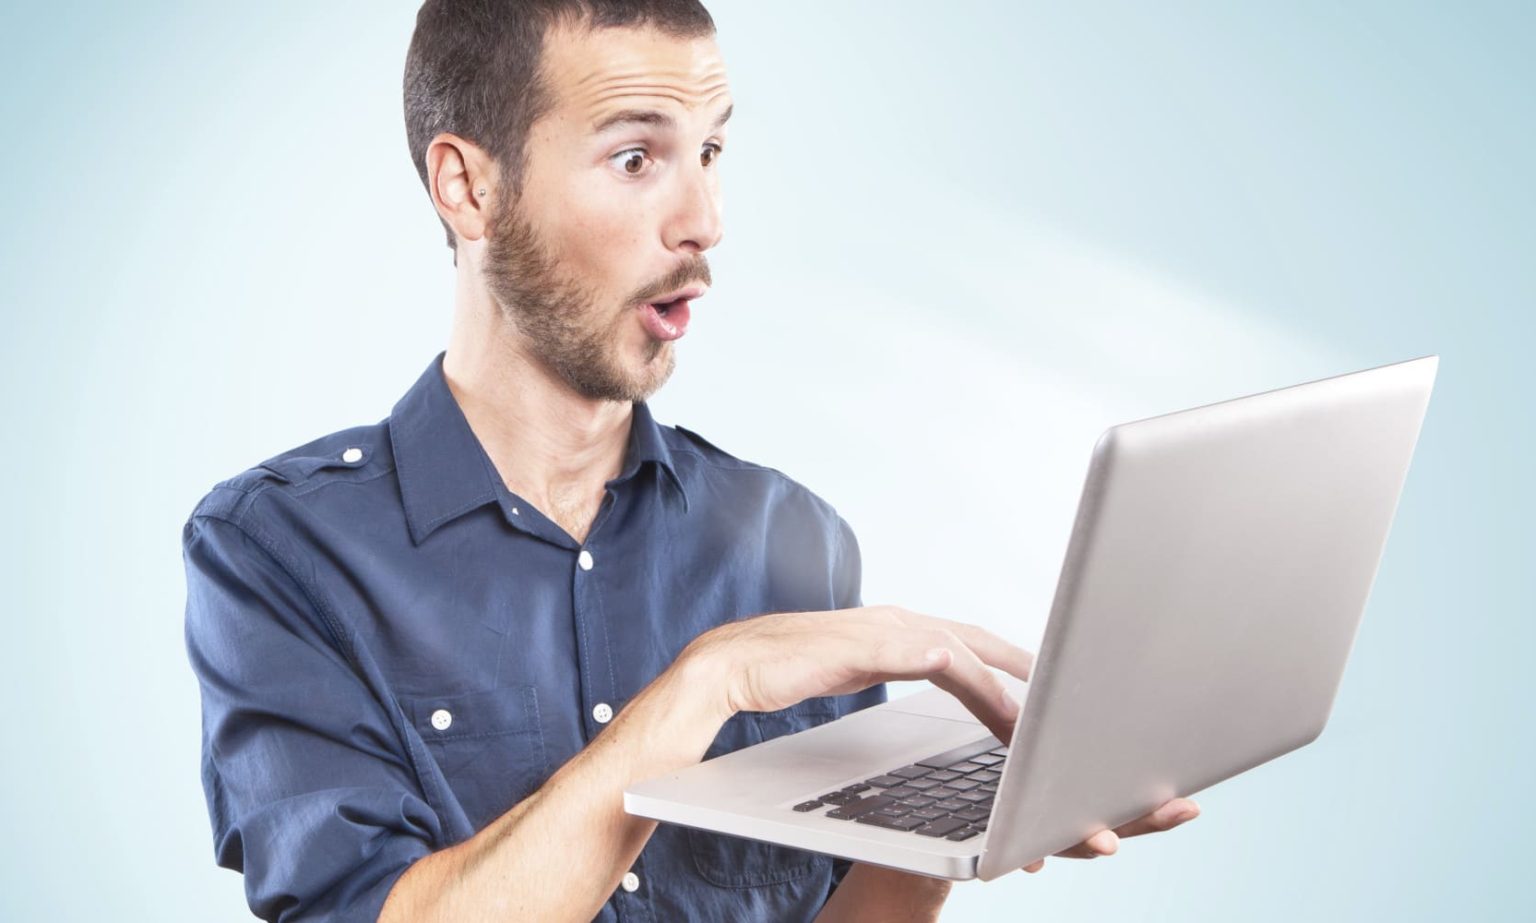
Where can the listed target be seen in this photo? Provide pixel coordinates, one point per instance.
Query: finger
(991, 649)
(1035, 866)
(1103, 843)
(1171, 814)
(977, 688)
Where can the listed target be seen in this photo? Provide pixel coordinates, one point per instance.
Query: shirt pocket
(489, 746)
(737, 862)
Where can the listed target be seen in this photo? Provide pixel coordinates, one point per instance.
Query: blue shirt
(393, 650)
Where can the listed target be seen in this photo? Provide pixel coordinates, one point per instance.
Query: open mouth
(666, 320)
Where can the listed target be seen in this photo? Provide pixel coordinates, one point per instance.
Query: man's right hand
(771, 662)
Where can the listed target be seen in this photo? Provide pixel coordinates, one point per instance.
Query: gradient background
(959, 244)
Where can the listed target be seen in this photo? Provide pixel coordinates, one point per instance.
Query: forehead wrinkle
(598, 81)
(598, 108)
(685, 99)
(678, 91)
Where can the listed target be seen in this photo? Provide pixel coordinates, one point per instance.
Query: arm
(560, 853)
(873, 894)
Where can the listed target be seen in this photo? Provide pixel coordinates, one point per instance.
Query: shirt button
(631, 881)
(584, 559)
(351, 455)
(603, 712)
(442, 718)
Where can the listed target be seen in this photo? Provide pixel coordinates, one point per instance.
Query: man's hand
(1106, 842)
(774, 661)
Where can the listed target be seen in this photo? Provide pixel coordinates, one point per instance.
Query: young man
(434, 650)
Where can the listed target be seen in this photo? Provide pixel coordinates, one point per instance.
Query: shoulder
(739, 476)
(352, 455)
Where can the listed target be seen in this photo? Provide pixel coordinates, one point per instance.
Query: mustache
(694, 270)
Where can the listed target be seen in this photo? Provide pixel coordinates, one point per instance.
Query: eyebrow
(650, 117)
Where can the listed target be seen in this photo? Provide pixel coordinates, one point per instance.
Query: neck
(550, 445)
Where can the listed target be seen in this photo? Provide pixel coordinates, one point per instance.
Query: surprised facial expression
(620, 199)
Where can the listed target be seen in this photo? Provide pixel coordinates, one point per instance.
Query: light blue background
(961, 239)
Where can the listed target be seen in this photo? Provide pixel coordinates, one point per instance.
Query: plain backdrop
(961, 239)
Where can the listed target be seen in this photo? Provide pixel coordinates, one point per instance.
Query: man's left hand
(1106, 842)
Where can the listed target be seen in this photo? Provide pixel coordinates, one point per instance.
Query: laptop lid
(1211, 592)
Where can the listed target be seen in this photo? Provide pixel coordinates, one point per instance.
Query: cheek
(605, 242)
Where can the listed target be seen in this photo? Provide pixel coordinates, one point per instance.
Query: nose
(695, 223)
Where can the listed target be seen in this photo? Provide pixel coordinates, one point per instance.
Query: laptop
(1216, 575)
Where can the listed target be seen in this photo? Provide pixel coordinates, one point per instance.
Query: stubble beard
(561, 321)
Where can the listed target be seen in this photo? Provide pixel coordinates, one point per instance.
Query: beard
(565, 323)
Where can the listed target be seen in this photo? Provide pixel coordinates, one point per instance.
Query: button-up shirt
(394, 649)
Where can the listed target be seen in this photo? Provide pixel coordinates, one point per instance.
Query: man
(433, 651)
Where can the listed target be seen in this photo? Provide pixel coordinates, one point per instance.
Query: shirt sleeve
(310, 788)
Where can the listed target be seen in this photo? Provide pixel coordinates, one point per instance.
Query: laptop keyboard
(948, 795)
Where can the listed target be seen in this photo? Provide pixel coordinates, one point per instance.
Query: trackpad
(849, 749)
(937, 703)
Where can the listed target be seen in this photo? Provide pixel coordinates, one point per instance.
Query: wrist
(702, 675)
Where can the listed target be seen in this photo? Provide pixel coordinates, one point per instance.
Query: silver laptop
(1213, 584)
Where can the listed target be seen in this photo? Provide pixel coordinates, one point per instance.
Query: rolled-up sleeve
(310, 788)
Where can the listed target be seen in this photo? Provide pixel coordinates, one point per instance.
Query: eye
(710, 153)
(631, 161)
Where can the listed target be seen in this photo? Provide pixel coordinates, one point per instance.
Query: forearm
(560, 853)
(880, 895)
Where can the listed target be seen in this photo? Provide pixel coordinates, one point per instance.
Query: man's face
(615, 213)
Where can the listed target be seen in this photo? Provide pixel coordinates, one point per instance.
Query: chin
(651, 379)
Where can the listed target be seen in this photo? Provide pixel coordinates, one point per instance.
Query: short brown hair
(473, 67)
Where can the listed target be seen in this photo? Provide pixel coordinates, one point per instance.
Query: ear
(462, 180)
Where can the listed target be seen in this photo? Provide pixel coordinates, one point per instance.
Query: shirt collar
(444, 472)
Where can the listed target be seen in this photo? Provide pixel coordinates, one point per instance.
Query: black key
(910, 772)
(980, 825)
(929, 813)
(966, 767)
(884, 781)
(838, 797)
(987, 759)
(1001, 751)
(949, 757)
(807, 806)
(922, 785)
(975, 797)
(901, 791)
(942, 827)
(943, 775)
(963, 834)
(982, 775)
(856, 787)
(880, 819)
(853, 809)
(973, 813)
(990, 787)
(961, 785)
(917, 801)
(950, 804)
